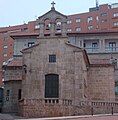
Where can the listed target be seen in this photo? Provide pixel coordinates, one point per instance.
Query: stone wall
(107, 57)
(38, 66)
(13, 73)
(98, 107)
(101, 84)
(70, 66)
(78, 80)
(11, 99)
(32, 108)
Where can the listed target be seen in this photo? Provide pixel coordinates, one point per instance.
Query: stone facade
(78, 79)
(11, 99)
(65, 67)
(57, 77)
(12, 85)
(100, 78)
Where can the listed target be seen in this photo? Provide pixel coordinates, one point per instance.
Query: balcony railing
(99, 103)
(92, 49)
(111, 49)
(97, 50)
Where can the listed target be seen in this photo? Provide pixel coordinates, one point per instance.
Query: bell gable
(52, 23)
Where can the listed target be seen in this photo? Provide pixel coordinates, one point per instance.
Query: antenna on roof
(24, 22)
(97, 4)
(35, 16)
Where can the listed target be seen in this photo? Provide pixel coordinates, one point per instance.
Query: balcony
(92, 49)
(111, 49)
(97, 49)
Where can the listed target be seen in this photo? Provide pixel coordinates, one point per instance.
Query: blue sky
(14, 12)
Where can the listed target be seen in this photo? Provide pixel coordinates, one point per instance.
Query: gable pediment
(52, 15)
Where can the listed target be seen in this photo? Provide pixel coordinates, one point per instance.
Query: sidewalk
(6, 117)
(9, 117)
(84, 117)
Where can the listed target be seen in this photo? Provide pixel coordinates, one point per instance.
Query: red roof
(23, 34)
(10, 28)
(15, 62)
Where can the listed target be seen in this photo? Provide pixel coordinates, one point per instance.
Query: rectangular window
(8, 93)
(37, 26)
(5, 46)
(5, 55)
(89, 19)
(52, 58)
(116, 88)
(115, 14)
(69, 21)
(78, 20)
(30, 44)
(52, 86)
(94, 45)
(90, 27)
(112, 46)
(103, 14)
(84, 44)
(69, 30)
(19, 94)
(115, 24)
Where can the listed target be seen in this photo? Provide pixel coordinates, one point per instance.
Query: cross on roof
(53, 3)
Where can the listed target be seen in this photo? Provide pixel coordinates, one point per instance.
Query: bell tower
(52, 23)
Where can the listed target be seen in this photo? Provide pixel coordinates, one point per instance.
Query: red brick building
(99, 19)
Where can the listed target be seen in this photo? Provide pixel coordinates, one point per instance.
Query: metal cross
(53, 3)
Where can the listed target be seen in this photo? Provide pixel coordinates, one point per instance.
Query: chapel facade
(57, 76)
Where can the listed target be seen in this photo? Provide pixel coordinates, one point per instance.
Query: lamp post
(92, 111)
(112, 110)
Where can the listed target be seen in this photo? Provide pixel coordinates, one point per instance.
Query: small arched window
(47, 24)
(58, 25)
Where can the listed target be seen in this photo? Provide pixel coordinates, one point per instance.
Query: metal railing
(92, 49)
(111, 49)
(99, 103)
(97, 49)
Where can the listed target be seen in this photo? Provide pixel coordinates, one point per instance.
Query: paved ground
(6, 117)
(96, 117)
(99, 118)
(89, 117)
(9, 117)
